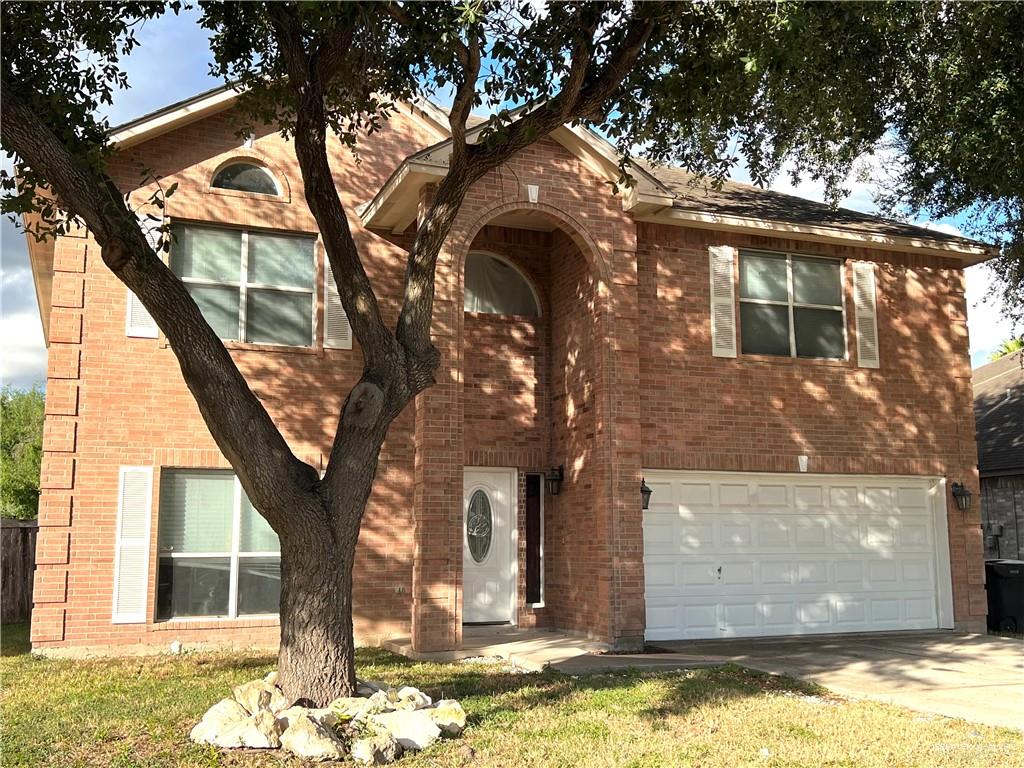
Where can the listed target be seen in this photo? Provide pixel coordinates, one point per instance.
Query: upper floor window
(218, 555)
(791, 305)
(250, 286)
(246, 177)
(493, 286)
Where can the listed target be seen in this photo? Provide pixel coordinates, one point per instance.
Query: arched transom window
(495, 287)
(246, 177)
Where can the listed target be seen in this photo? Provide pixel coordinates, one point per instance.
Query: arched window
(246, 177)
(495, 287)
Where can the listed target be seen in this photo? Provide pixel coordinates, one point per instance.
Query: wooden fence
(17, 564)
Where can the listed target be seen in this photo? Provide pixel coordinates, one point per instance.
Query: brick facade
(615, 376)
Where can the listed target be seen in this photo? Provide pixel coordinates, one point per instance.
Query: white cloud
(23, 361)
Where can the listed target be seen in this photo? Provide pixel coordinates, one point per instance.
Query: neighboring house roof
(999, 415)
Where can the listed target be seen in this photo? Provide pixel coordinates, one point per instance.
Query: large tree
(811, 83)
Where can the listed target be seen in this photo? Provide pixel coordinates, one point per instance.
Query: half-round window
(246, 177)
(479, 526)
(495, 287)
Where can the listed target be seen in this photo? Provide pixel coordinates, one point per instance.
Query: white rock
(271, 678)
(221, 717)
(412, 698)
(307, 738)
(259, 695)
(176, 647)
(411, 729)
(449, 716)
(324, 716)
(259, 731)
(381, 701)
(378, 749)
(349, 707)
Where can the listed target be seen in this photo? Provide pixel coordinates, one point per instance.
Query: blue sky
(171, 64)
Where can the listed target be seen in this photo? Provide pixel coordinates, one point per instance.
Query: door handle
(719, 573)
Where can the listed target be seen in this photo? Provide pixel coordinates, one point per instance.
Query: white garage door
(743, 555)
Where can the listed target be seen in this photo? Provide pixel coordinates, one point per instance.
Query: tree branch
(239, 423)
(585, 91)
(354, 287)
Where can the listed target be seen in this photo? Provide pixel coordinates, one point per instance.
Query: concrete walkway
(974, 677)
(529, 649)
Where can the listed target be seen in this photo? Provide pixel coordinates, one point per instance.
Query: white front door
(728, 554)
(488, 571)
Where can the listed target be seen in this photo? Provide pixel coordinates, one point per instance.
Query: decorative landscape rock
(412, 729)
(378, 749)
(449, 716)
(260, 695)
(259, 731)
(373, 728)
(221, 717)
(308, 738)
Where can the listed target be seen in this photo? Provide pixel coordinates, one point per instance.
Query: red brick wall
(116, 401)
(623, 379)
(911, 416)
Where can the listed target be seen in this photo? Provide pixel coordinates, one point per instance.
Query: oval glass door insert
(479, 525)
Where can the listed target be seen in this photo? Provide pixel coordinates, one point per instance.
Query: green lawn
(137, 712)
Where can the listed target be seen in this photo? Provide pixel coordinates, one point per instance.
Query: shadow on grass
(14, 639)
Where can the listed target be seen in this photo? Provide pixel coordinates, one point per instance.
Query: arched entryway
(519, 394)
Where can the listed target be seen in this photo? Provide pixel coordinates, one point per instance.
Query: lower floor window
(218, 556)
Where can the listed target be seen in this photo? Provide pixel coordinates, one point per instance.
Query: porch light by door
(645, 493)
(553, 479)
(962, 496)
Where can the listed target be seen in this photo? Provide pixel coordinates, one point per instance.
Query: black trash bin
(1004, 582)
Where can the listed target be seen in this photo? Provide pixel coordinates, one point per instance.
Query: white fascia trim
(136, 134)
(407, 169)
(704, 220)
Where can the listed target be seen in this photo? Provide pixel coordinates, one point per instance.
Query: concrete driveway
(973, 677)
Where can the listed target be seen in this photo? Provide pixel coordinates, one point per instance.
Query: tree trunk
(316, 661)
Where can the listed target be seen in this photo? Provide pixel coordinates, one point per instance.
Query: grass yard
(130, 713)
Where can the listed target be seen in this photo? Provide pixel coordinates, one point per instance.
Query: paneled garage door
(743, 555)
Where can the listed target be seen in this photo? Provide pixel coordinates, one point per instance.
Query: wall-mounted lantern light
(553, 479)
(962, 496)
(645, 493)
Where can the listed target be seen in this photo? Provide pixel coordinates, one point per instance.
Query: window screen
(246, 177)
(250, 286)
(791, 305)
(495, 287)
(218, 555)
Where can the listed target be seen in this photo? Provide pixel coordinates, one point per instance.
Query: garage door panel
(742, 555)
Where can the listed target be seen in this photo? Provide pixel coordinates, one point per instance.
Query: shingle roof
(999, 415)
(745, 200)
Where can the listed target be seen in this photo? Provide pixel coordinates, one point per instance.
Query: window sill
(780, 360)
(213, 622)
(244, 346)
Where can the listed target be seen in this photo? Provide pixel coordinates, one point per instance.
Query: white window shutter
(337, 331)
(865, 313)
(138, 322)
(723, 301)
(131, 547)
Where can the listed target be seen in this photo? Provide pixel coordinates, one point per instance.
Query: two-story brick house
(791, 382)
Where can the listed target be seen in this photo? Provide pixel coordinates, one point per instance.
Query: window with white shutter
(337, 331)
(131, 547)
(217, 555)
(723, 304)
(865, 310)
